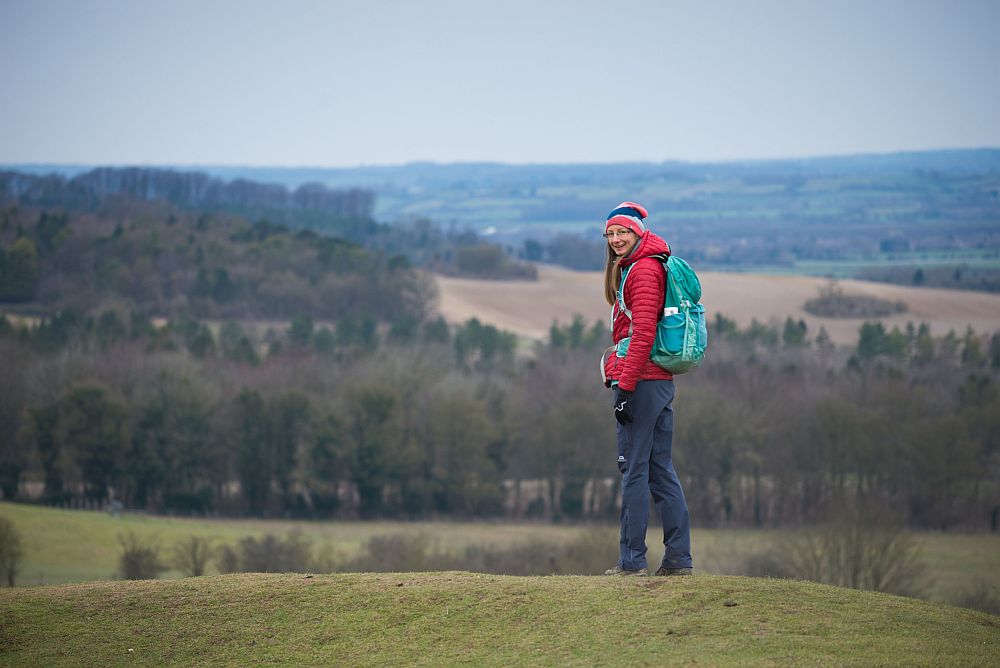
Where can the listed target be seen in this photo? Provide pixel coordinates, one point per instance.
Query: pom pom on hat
(630, 215)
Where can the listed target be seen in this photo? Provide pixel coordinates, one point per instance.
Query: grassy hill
(452, 618)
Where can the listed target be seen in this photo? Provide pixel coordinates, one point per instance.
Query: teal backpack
(681, 333)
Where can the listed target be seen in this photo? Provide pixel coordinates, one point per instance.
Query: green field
(474, 619)
(64, 546)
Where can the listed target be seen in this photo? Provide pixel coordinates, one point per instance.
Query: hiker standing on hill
(643, 393)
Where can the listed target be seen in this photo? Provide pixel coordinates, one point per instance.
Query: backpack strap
(620, 293)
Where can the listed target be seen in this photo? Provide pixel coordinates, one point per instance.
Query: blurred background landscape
(359, 329)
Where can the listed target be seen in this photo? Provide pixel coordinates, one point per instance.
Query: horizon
(499, 163)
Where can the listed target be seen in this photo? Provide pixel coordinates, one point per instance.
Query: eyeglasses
(618, 233)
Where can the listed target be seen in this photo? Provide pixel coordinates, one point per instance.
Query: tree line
(163, 262)
(778, 427)
(189, 190)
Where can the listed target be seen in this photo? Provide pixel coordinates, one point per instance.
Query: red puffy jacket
(644, 297)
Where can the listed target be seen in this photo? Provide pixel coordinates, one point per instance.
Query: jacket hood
(649, 244)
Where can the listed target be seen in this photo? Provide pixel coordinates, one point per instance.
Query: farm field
(528, 308)
(66, 546)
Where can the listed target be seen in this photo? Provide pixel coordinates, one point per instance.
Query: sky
(373, 82)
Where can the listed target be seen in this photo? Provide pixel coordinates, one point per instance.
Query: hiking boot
(618, 570)
(663, 570)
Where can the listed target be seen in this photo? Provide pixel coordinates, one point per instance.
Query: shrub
(589, 554)
(980, 596)
(273, 555)
(860, 548)
(269, 554)
(192, 555)
(833, 303)
(139, 560)
(227, 560)
(486, 260)
(858, 552)
(397, 553)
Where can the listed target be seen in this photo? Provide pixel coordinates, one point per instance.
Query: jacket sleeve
(644, 295)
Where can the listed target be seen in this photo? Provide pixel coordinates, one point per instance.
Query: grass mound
(457, 617)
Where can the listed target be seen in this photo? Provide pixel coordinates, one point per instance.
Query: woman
(643, 394)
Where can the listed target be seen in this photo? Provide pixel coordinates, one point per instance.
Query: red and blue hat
(630, 215)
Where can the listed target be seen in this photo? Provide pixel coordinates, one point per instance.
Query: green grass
(473, 619)
(63, 546)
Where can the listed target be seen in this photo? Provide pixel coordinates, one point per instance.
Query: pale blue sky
(375, 82)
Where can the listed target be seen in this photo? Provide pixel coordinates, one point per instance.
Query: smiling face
(621, 239)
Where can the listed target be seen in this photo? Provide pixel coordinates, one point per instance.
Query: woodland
(193, 360)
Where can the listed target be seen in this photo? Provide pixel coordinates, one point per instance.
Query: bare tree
(191, 556)
(139, 559)
(862, 549)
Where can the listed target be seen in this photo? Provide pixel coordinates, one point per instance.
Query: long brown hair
(612, 276)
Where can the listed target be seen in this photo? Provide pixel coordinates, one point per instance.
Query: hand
(623, 406)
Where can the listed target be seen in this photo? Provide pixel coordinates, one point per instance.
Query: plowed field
(528, 308)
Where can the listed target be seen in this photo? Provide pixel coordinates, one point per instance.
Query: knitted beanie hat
(630, 215)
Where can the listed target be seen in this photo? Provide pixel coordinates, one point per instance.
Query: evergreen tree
(253, 453)
(19, 266)
(923, 346)
(794, 333)
(300, 333)
(201, 344)
(972, 350)
(223, 289)
(871, 340)
(823, 340)
(93, 426)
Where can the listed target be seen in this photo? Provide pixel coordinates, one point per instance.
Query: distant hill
(431, 174)
(467, 618)
(195, 191)
(158, 258)
(405, 187)
(911, 210)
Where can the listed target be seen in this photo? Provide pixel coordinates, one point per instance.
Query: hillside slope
(448, 618)
(528, 308)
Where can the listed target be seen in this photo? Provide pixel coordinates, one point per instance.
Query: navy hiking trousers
(644, 457)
